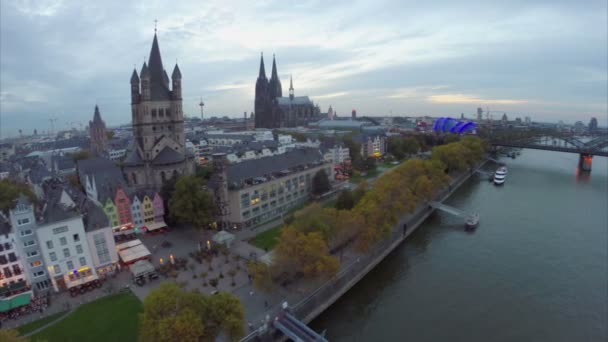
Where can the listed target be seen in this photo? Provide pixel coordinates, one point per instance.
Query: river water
(536, 268)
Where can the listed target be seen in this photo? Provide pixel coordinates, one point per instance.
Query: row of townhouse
(63, 241)
(127, 210)
(372, 145)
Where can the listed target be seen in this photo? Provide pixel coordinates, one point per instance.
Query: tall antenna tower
(201, 104)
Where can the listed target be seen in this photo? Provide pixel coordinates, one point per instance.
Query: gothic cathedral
(272, 110)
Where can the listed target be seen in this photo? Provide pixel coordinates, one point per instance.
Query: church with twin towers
(273, 110)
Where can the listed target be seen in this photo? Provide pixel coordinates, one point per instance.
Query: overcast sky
(545, 59)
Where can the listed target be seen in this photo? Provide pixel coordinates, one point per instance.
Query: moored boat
(500, 175)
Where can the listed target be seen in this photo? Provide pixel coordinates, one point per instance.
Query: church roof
(168, 156)
(297, 100)
(97, 116)
(133, 158)
(177, 74)
(159, 90)
(106, 175)
(134, 77)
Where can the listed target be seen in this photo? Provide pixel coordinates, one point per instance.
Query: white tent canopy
(223, 238)
(132, 251)
(142, 267)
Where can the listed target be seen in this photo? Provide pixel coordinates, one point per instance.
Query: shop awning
(128, 244)
(156, 225)
(15, 301)
(134, 253)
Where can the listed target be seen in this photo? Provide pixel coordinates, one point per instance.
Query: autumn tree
(320, 183)
(172, 314)
(304, 253)
(80, 155)
(190, 203)
(262, 276)
(11, 335)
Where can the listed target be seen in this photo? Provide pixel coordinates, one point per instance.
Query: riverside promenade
(313, 304)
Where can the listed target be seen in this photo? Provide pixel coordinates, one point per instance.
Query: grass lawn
(113, 318)
(26, 328)
(267, 239)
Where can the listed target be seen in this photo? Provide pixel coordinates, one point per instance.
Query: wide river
(536, 268)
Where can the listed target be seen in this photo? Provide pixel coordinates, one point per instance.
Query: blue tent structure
(451, 125)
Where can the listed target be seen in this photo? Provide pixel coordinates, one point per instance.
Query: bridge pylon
(585, 161)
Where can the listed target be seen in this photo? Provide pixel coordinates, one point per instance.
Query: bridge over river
(552, 141)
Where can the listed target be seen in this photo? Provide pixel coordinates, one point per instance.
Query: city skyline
(541, 59)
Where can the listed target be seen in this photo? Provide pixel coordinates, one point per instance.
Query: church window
(134, 178)
(154, 112)
(168, 111)
(162, 176)
(160, 113)
(154, 128)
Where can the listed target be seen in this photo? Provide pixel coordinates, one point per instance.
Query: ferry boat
(471, 222)
(500, 175)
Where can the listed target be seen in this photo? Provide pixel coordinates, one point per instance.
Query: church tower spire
(262, 74)
(275, 83)
(291, 95)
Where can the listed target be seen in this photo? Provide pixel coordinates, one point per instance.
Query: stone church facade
(272, 110)
(158, 151)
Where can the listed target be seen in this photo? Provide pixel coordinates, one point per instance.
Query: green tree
(11, 190)
(172, 314)
(395, 147)
(190, 203)
(411, 145)
(345, 200)
(320, 183)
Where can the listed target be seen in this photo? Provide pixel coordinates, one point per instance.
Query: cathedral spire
(291, 93)
(262, 70)
(275, 83)
(96, 116)
(274, 68)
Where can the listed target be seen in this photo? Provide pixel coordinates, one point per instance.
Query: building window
(36, 263)
(7, 272)
(12, 257)
(49, 244)
(7, 246)
(63, 241)
(29, 243)
(66, 252)
(79, 249)
(16, 270)
(83, 261)
(70, 265)
(57, 269)
(76, 238)
(3, 260)
(53, 256)
(38, 274)
(154, 113)
(21, 222)
(26, 232)
(32, 254)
